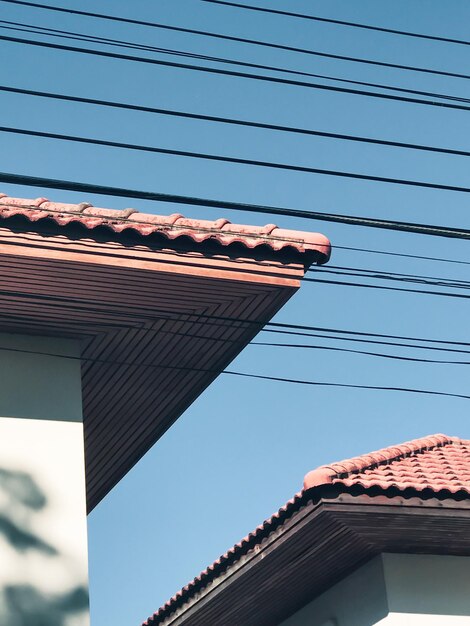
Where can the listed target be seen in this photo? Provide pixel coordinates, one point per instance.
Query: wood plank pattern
(147, 323)
(319, 545)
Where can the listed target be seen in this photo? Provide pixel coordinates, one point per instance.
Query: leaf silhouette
(27, 606)
(22, 539)
(23, 488)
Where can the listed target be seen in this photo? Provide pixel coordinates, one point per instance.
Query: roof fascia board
(60, 248)
(345, 509)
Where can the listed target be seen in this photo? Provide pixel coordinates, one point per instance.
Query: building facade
(379, 539)
(111, 324)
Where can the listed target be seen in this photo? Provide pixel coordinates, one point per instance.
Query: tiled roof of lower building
(438, 464)
(170, 226)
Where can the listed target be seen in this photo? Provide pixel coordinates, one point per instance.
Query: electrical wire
(62, 34)
(50, 183)
(342, 331)
(316, 18)
(398, 277)
(276, 329)
(237, 160)
(243, 374)
(116, 326)
(385, 276)
(384, 252)
(401, 255)
(237, 74)
(381, 274)
(364, 274)
(239, 265)
(349, 350)
(315, 382)
(80, 305)
(447, 282)
(233, 121)
(344, 385)
(345, 283)
(300, 333)
(210, 320)
(255, 42)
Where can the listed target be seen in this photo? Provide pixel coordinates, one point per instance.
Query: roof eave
(373, 520)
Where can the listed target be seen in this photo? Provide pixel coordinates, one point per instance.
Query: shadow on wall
(24, 604)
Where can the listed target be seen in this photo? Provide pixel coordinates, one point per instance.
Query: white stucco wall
(427, 590)
(418, 619)
(358, 600)
(395, 590)
(38, 386)
(43, 535)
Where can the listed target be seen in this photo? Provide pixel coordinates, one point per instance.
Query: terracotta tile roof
(437, 463)
(170, 226)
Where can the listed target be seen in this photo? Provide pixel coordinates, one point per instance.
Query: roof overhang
(320, 537)
(159, 314)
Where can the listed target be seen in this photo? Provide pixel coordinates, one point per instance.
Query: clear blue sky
(241, 450)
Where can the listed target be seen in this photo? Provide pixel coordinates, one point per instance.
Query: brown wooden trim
(316, 547)
(95, 290)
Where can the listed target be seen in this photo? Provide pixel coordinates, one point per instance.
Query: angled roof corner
(161, 305)
(314, 245)
(347, 513)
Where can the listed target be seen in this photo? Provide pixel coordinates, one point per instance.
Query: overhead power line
(237, 160)
(52, 32)
(83, 305)
(402, 255)
(238, 74)
(396, 254)
(381, 355)
(373, 273)
(208, 319)
(232, 121)
(344, 385)
(306, 333)
(363, 273)
(317, 280)
(50, 183)
(345, 283)
(304, 330)
(310, 346)
(243, 374)
(245, 40)
(342, 331)
(316, 18)
(283, 345)
(404, 278)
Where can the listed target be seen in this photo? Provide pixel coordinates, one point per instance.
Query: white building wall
(418, 619)
(427, 590)
(395, 590)
(43, 535)
(358, 600)
(39, 386)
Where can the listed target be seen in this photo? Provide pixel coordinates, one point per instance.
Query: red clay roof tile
(170, 226)
(437, 463)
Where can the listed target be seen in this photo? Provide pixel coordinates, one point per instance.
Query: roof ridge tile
(375, 470)
(328, 474)
(170, 226)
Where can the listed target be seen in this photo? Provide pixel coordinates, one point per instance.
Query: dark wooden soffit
(157, 326)
(319, 545)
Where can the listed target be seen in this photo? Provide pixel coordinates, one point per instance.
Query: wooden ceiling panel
(157, 326)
